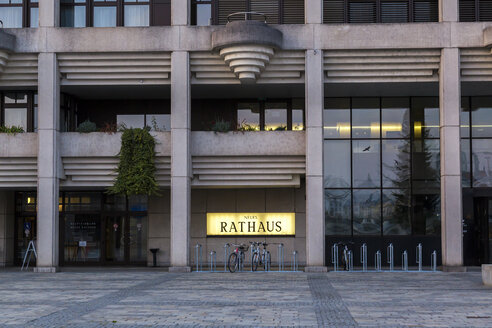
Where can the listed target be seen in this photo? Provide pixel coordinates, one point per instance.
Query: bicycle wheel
(233, 263)
(254, 261)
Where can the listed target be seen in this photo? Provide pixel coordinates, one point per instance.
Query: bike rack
(377, 261)
(404, 261)
(434, 261)
(226, 255)
(280, 257)
(389, 252)
(363, 257)
(293, 264)
(419, 256)
(198, 257)
(268, 259)
(213, 258)
(334, 257)
(350, 256)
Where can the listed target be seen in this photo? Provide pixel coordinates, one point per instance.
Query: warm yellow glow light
(250, 224)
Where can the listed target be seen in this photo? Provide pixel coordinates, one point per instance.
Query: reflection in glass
(158, 122)
(426, 163)
(425, 117)
(203, 14)
(426, 212)
(130, 121)
(297, 120)
(114, 203)
(136, 15)
(396, 212)
(465, 163)
(465, 117)
(16, 117)
(336, 118)
(366, 163)
(367, 212)
(396, 163)
(338, 212)
(82, 238)
(275, 116)
(482, 162)
(337, 163)
(248, 116)
(138, 238)
(482, 117)
(104, 16)
(82, 201)
(395, 117)
(365, 118)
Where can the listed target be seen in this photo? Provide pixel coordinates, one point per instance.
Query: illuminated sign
(234, 224)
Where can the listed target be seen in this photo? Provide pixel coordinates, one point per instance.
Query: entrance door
(126, 239)
(483, 230)
(25, 232)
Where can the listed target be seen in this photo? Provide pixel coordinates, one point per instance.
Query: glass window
(130, 121)
(426, 163)
(248, 115)
(275, 116)
(367, 212)
(11, 16)
(16, 117)
(465, 117)
(82, 238)
(114, 203)
(34, 16)
(84, 201)
(426, 212)
(136, 13)
(482, 117)
(158, 122)
(465, 163)
(137, 203)
(482, 162)
(203, 12)
(366, 164)
(425, 117)
(297, 114)
(73, 13)
(365, 118)
(396, 212)
(138, 238)
(396, 163)
(105, 16)
(337, 163)
(336, 118)
(395, 117)
(338, 212)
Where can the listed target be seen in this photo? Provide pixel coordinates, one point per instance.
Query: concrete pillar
(448, 10)
(180, 12)
(49, 13)
(180, 161)
(315, 218)
(313, 11)
(48, 162)
(7, 213)
(451, 207)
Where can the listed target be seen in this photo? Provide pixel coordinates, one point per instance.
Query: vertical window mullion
(381, 165)
(351, 173)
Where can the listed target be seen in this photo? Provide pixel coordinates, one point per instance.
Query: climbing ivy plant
(136, 169)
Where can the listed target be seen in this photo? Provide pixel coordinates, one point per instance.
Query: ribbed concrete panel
(20, 70)
(135, 68)
(476, 64)
(284, 67)
(18, 160)
(407, 65)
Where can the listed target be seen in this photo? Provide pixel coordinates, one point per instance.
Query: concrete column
(448, 10)
(451, 207)
(180, 12)
(313, 11)
(315, 218)
(48, 162)
(7, 208)
(180, 161)
(49, 13)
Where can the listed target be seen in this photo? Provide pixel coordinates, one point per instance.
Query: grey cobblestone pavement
(130, 298)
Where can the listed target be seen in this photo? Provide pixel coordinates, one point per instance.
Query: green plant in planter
(136, 170)
(221, 125)
(87, 127)
(11, 129)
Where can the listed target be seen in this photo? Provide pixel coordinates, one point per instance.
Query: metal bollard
(226, 255)
(419, 256)
(389, 252)
(293, 264)
(377, 261)
(404, 261)
(334, 257)
(280, 257)
(350, 256)
(198, 257)
(363, 257)
(213, 257)
(434, 261)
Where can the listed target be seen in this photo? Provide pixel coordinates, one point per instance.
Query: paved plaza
(146, 298)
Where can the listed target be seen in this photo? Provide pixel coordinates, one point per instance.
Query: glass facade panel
(396, 163)
(337, 163)
(338, 208)
(425, 117)
(248, 114)
(82, 238)
(365, 118)
(465, 117)
(297, 119)
(396, 212)
(366, 164)
(426, 212)
(275, 116)
(16, 117)
(465, 163)
(104, 16)
(130, 121)
(138, 238)
(136, 15)
(159, 122)
(482, 162)
(426, 163)
(115, 239)
(367, 212)
(73, 16)
(481, 117)
(137, 203)
(82, 201)
(34, 17)
(11, 17)
(395, 117)
(203, 14)
(336, 118)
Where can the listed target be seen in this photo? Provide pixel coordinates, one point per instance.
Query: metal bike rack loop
(268, 260)
(213, 258)
(390, 256)
(404, 261)
(377, 261)
(280, 257)
(419, 256)
(334, 257)
(293, 264)
(350, 256)
(434, 261)
(363, 257)
(198, 257)
(226, 255)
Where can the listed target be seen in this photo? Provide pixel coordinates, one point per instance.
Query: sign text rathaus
(230, 224)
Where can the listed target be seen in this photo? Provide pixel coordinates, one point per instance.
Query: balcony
(18, 160)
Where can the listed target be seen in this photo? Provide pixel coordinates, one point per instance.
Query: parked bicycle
(260, 257)
(236, 259)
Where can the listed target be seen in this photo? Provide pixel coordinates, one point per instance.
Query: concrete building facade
(370, 132)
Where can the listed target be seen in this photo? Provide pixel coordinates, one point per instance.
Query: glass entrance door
(482, 231)
(26, 231)
(126, 239)
(115, 239)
